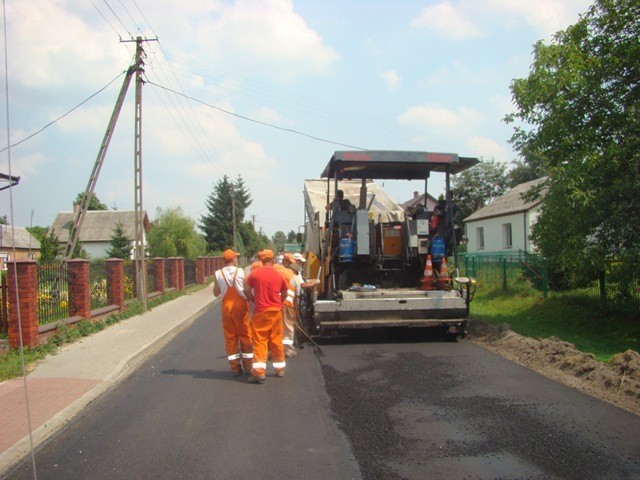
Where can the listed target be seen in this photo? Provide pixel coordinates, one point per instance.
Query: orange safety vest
(288, 275)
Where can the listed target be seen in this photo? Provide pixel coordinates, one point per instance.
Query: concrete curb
(22, 448)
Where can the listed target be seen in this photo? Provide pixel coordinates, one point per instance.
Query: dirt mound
(617, 382)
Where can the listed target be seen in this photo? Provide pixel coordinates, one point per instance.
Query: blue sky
(380, 75)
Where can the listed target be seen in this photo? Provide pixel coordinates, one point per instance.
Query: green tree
(525, 170)
(121, 246)
(217, 224)
(253, 242)
(476, 187)
(94, 203)
(50, 248)
(279, 239)
(291, 237)
(173, 234)
(578, 113)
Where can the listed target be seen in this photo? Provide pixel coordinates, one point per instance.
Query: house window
(480, 238)
(4, 258)
(507, 239)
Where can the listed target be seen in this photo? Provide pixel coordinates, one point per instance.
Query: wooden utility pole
(138, 250)
(74, 231)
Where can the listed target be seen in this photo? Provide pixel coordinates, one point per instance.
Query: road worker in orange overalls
(289, 270)
(236, 322)
(266, 288)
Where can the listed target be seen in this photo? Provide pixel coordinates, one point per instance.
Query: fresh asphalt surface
(374, 409)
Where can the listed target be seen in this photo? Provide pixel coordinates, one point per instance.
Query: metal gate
(55, 299)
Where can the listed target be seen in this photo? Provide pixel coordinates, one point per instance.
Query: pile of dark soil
(616, 382)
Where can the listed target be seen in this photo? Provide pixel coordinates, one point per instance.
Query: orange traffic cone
(428, 278)
(444, 282)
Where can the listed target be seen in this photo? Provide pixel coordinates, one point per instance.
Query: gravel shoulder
(617, 382)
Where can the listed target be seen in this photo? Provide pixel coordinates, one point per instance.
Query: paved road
(458, 411)
(182, 415)
(415, 410)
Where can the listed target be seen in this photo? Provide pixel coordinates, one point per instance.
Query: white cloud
(266, 35)
(448, 20)
(487, 149)
(545, 17)
(50, 59)
(391, 79)
(28, 164)
(268, 115)
(463, 19)
(440, 118)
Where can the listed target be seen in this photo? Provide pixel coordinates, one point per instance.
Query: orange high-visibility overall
(236, 325)
(267, 334)
(289, 312)
(266, 323)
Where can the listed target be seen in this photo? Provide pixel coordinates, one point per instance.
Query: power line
(118, 18)
(105, 19)
(249, 119)
(62, 116)
(193, 118)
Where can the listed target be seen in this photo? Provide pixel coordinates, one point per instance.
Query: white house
(98, 228)
(418, 198)
(505, 224)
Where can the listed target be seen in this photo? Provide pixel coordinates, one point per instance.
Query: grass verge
(11, 365)
(579, 320)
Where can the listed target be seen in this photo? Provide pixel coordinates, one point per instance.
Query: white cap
(299, 257)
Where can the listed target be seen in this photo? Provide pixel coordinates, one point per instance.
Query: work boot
(236, 367)
(256, 378)
(290, 353)
(279, 372)
(248, 365)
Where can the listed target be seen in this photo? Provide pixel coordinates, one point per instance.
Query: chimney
(415, 194)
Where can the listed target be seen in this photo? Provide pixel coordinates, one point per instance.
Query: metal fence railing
(167, 275)
(190, 272)
(98, 284)
(129, 280)
(151, 275)
(500, 270)
(54, 296)
(505, 270)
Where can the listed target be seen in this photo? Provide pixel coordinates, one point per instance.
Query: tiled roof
(509, 203)
(98, 225)
(23, 239)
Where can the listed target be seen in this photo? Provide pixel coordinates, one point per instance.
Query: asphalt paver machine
(373, 264)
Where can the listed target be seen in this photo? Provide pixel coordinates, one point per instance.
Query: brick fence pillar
(173, 273)
(158, 277)
(114, 268)
(181, 273)
(215, 264)
(24, 296)
(79, 288)
(200, 272)
(207, 268)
